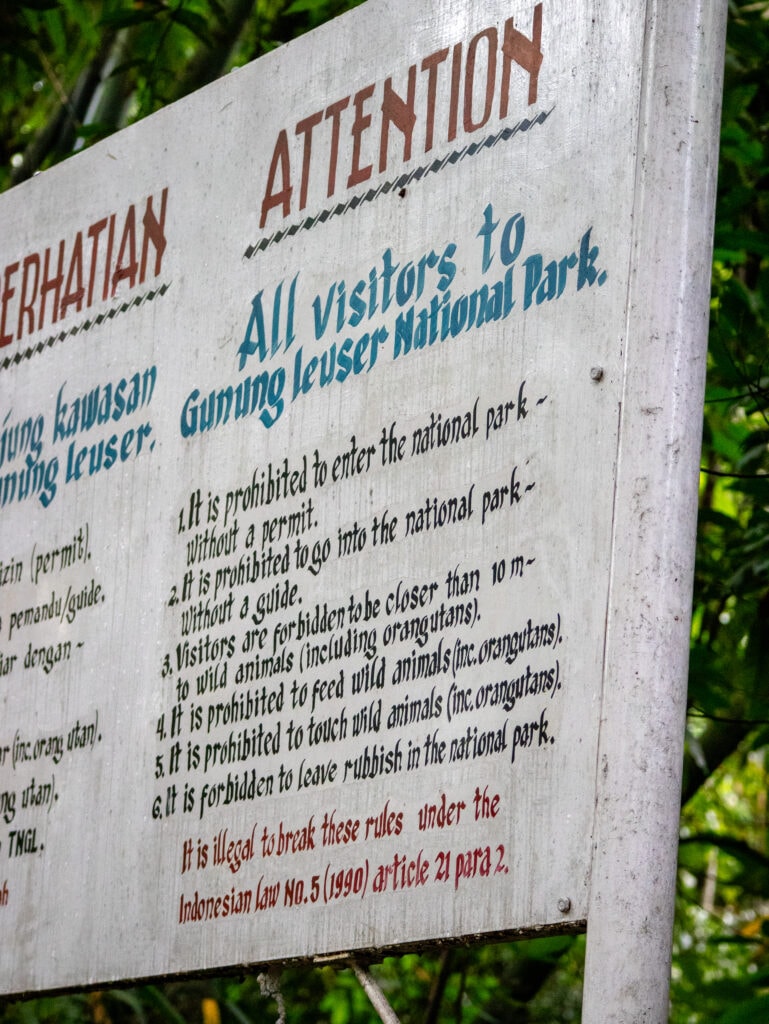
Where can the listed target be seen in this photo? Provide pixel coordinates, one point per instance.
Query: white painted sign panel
(311, 393)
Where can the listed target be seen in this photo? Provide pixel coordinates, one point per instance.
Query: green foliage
(76, 70)
(81, 69)
(721, 965)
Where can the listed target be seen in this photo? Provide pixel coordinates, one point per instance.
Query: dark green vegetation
(75, 70)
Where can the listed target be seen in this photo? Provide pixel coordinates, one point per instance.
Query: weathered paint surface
(310, 428)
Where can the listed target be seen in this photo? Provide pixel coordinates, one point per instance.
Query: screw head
(596, 373)
(564, 905)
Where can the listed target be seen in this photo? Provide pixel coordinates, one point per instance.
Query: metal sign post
(630, 919)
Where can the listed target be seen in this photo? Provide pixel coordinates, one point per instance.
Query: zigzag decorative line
(415, 175)
(86, 325)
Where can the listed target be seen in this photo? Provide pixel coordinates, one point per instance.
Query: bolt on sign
(347, 476)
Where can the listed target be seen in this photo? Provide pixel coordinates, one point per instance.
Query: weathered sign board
(335, 403)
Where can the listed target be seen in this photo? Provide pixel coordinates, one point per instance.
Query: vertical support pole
(631, 904)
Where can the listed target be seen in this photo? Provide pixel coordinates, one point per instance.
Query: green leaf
(196, 23)
(750, 241)
(126, 17)
(165, 1008)
(55, 28)
(303, 6)
(753, 1011)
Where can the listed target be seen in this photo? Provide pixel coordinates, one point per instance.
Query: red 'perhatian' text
(41, 288)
